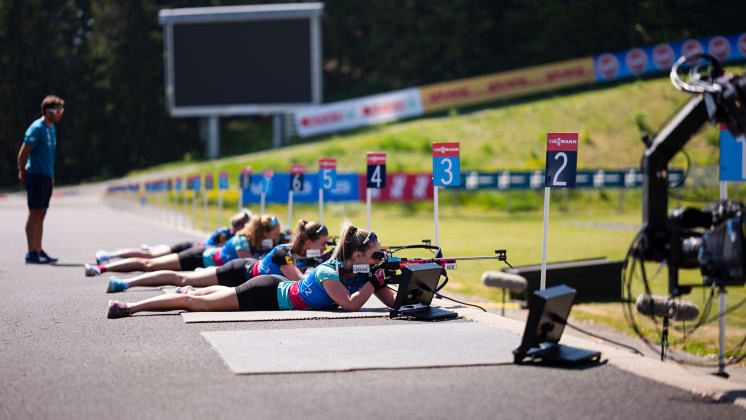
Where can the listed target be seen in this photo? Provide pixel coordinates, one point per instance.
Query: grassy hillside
(610, 120)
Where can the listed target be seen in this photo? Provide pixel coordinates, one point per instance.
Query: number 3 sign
(562, 160)
(446, 165)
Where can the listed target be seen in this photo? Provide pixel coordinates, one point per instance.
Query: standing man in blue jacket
(36, 172)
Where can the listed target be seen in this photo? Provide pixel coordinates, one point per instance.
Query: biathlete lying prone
(309, 239)
(217, 238)
(329, 285)
(260, 233)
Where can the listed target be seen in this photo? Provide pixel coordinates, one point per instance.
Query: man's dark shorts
(39, 188)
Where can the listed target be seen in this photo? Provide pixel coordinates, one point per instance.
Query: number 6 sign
(562, 160)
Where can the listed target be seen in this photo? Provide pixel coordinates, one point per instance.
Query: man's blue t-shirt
(43, 141)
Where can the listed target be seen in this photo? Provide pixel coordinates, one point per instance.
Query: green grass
(610, 121)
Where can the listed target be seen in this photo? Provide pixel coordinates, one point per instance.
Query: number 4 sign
(376, 178)
(376, 170)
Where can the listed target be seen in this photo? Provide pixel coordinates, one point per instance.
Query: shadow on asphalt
(583, 366)
(59, 264)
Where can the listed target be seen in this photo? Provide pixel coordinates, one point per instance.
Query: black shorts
(182, 246)
(236, 272)
(39, 190)
(191, 258)
(259, 293)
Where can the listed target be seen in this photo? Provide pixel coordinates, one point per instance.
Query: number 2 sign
(562, 160)
(446, 165)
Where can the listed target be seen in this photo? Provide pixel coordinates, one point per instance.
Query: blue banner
(345, 189)
(659, 58)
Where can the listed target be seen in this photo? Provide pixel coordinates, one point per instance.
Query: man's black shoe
(49, 259)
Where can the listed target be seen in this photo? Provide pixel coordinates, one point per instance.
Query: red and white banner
(296, 168)
(401, 187)
(353, 113)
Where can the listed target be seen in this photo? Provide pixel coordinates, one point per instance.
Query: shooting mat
(419, 345)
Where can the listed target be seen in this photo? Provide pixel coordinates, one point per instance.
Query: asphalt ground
(60, 358)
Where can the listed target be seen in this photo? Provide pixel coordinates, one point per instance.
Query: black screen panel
(242, 63)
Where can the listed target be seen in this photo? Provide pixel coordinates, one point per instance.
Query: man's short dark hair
(51, 101)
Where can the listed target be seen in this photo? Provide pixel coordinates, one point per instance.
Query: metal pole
(435, 215)
(261, 203)
(213, 137)
(194, 208)
(321, 206)
(277, 130)
(367, 206)
(204, 202)
(723, 190)
(544, 242)
(721, 347)
(220, 206)
(290, 208)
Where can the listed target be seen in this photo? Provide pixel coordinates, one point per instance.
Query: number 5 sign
(327, 180)
(562, 160)
(327, 173)
(446, 165)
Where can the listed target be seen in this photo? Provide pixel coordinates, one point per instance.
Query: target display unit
(241, 60)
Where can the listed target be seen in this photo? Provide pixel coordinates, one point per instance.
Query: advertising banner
(507, 84)
(659, 58)
(402, 187)
(346, 188)
(360, 112)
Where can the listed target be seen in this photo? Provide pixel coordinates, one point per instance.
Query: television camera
(712, 238)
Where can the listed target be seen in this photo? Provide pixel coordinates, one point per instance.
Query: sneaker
(50, 259)
(116, 285)
(184, 290)
(117, 310)
(102, 256)
(36, 258)
(91, 270)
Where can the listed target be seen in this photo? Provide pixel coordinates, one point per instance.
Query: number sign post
(446, 173)
(296, 185)
(209, 186)
(376, 178)
(244, 183)
(266, 185)
(561, 169)
(196, 187)
(180, 190)
(222, 186)
(327, 181)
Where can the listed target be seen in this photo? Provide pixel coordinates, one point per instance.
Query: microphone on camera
(664, 307)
